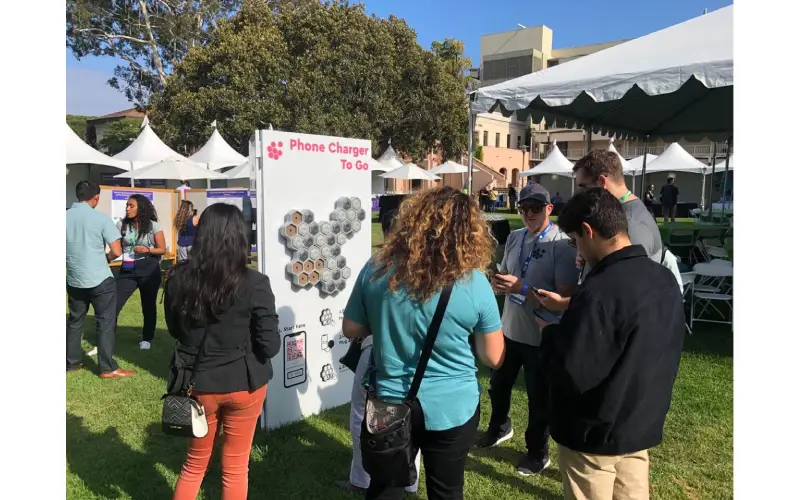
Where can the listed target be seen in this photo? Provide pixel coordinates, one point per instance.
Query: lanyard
(533, 249)
(625, 196)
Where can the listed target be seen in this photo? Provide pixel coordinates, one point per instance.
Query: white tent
(677, 82)
(676, 159)
(146, 150)
(389, 158)
(80, 152)
(175, 168)
(240, 171)
(376, 166)
(635, 164)
(410, 171)
(555, 163)
(449, 167)
(217, 154)
(622, 159)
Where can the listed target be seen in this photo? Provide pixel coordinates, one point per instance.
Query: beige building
(96, 127)
(511, 146)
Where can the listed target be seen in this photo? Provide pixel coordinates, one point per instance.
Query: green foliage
(78, 124)
(311, 67)
(119, 135)
(479, 152)
(149, 36)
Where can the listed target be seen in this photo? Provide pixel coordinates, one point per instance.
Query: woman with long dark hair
(185, 225)
(143, 245)
(439, 240)
(215, 295)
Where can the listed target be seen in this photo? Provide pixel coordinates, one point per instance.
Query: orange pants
(239, 412)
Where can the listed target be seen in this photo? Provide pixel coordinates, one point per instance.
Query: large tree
(119, 135)
(149, 36)
(324, 68)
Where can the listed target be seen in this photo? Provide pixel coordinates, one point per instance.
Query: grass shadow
(714, 340)
(523, 485)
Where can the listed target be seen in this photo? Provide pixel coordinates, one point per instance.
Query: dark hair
(600, 162)
(86, 190)
(670, 180)
(211, 279)
(596, 207)
(145, 215)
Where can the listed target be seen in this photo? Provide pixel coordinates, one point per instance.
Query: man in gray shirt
(536, 257)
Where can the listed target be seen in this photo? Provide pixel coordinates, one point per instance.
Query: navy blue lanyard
(535, 245)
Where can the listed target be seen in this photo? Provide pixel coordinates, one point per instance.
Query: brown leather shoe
(118, 373)
(348, 486)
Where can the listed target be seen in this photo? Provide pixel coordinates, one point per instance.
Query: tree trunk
(157, 62)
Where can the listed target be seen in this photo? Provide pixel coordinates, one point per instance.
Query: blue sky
(578, 22)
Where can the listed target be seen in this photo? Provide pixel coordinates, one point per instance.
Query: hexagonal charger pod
(300, 255)
(325, 227)
(336, 274)
(347, 227)
(300, 279)
(308, 266)
(313, 278)
(330, 239)
(340, 285)
(356, 226)
(341, 239)
(319, 265)
(341, 262)
(302, 229)
(346, 273)
(336, 227)
(313, 228)
(343, 203)
(339, 214)
(296, 217)
(329, 287)
(331, 264)
(336, 250)
(361, 214)
(326, 251)
(351, 214)
(314, 253)
(296, 243)
(294, 268)
(355, 203)
(319, 240)
(308, 216)
(326, 275)
(288, 231)
(308, 242)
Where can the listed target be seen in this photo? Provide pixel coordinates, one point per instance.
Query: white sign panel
(315, 238)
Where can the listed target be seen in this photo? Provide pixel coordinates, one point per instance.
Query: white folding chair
(688, 285)
(712, 286)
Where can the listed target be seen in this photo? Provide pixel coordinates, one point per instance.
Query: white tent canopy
(635, 164)
(449, 167)
(147, 149)
(377, 166)
(217, 154)
(676, 159)
(389, 158)
(410, 171)
(240, 171)
(555, 163)
(677, 82)
(80, 152)
(611, 148)
(175, 168)
(721, 166)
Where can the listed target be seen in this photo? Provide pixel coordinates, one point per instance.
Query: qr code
(295, 350)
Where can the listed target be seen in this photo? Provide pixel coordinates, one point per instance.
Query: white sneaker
(93, 352)
(144, 345)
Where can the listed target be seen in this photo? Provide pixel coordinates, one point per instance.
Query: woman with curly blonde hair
(439, 239)
(186, 225)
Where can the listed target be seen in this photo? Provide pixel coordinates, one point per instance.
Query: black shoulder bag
(386, 450)
(182, 415)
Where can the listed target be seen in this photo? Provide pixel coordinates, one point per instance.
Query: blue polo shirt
(88, 232)
(450, 392)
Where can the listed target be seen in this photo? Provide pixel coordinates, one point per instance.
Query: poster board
(314, 236)
(113, 200)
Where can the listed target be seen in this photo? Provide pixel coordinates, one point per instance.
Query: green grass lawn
(115, 447)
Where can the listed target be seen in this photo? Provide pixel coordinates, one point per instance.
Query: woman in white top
(142, 247)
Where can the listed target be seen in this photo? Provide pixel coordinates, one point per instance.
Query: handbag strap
(200, 352)
(430, 338)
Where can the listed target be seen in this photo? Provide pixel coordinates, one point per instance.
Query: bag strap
(200, 352)
(430, 338)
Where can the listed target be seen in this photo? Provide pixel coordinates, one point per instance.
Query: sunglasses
(537, 209)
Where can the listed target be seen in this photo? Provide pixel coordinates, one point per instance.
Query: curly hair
(185, 212)
(145, 215)
(438, 237)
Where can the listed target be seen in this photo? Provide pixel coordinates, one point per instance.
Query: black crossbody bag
(182, 415)
(386, 450)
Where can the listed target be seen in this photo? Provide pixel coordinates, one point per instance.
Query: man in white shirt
(182, 189)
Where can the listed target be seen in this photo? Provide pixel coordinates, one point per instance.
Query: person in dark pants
(537, 256)
(142, 247)
(669, 200)
(512, 198)
(90, 281)
(400, 283)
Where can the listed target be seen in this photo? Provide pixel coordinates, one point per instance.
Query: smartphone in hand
(546, 316)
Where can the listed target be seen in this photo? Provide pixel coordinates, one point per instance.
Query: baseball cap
(534, 192)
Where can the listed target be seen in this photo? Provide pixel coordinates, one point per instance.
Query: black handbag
(353, 354)
(181, 414)
(386, 450)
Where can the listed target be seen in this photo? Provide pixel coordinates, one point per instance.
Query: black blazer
(239, 346)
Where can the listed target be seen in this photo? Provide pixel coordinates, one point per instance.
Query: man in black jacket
(613, 359)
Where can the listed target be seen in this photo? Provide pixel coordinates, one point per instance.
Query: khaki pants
(603, 477)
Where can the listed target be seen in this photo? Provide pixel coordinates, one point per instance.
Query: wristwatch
(525, 289)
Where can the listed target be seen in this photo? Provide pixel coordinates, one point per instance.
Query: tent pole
(588, 131)
(707, 197)
(470, 146)
(725, 177)
(644, 168)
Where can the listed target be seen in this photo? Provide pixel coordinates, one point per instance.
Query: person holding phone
(536, 257)
(215, 294)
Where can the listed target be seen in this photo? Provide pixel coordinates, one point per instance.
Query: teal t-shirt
(450, 392)
(88, 233)
(131, 239)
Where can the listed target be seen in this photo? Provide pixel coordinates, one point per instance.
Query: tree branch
(97, 31)
(156, 56)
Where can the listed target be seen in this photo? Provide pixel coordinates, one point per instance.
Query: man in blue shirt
(90, 281)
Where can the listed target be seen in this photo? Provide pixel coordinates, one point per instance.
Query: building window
(476, 139)
(519, 142)
(504, 69)
(497, 140)
(508, 141)
(485, 137)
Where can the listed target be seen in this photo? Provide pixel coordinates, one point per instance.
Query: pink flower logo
(275, 151)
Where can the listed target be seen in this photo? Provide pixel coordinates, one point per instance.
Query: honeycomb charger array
(316, 247)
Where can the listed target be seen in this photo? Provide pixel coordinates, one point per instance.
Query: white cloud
(89, 94)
